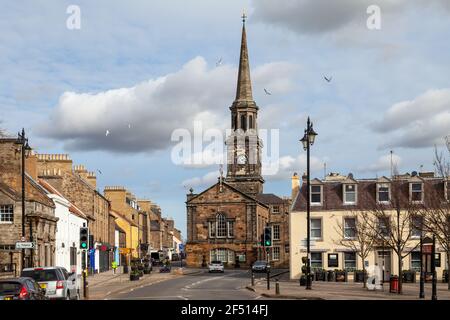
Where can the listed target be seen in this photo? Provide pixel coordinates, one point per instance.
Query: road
(200, 286)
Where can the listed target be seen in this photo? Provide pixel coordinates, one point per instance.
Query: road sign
(181, 247)
(25, 245)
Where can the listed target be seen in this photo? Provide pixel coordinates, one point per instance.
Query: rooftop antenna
(324, 170)
(392, 164)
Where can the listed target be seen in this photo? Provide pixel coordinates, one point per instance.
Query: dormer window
(416, 191)
(349, 193)
(316, 195)
(383, 193)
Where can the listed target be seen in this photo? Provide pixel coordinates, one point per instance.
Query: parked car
(58, 283)
(261, 266)
(22, 288)
(216, 266)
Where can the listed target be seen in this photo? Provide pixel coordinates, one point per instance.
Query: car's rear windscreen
(41, 275)
(9, 288)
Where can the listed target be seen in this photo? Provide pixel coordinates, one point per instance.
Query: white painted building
(176, 243)
(71, 218)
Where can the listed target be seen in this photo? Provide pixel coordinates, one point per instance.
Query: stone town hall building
(225, 222)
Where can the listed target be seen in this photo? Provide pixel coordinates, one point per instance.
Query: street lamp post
(433, 270)
(24, 149)
(422, 278)
(308, 141)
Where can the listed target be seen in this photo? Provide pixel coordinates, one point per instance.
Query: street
(199, 286)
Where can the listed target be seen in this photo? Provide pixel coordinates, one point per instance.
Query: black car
(23, 288)
(261, 266)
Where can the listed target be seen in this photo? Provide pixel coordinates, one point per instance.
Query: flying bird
(129, 125)
(107, 132)
(328, 80)
(99, 171)
(267, 92)
(218, 63)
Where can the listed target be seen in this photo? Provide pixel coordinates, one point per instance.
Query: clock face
(242, 159)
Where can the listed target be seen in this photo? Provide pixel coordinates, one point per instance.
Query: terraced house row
(358, 223)
(61, 197)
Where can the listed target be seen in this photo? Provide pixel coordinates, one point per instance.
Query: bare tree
(435, 212)
(393, 224)
(435, 215)
(360, 238)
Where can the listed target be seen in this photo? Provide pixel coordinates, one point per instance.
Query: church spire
(244, 85)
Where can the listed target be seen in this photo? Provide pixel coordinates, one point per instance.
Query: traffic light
(84, 238)
(267, 236)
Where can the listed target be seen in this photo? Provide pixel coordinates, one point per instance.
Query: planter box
(302, 280)
(134, 277)
(359, 276)
(409, 276)
(320, 276)
(147, 271)
(331, 276)
(125, 269)
(341, 276)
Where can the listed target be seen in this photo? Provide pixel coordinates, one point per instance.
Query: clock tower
(244, 145)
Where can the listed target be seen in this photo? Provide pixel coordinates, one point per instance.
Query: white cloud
(382, 164)
(325, 16)
(154, 108)
(204, 181)
(418, 123)
(287, 165)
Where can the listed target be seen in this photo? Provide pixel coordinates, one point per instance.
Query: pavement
(196, 284)
(106, 284)
(291, 289)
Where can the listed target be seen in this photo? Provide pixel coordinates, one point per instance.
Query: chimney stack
(31, 166)
(295, 185)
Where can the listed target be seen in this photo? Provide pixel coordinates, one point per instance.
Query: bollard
(277, 287)
(85, 286)
(253, 279)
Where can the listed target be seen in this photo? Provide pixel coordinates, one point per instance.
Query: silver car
(57, 282)
(216, 266)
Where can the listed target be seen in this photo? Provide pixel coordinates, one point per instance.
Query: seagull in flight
(267, 92)
(107, 132)
(328, 80)
(99, 171)
(219, 63)
(129, 125)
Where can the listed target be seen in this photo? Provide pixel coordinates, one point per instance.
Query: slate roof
(270, 198)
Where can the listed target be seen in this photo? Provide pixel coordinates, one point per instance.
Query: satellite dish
(414, 173)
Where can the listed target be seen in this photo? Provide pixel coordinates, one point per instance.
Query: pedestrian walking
(114, 266)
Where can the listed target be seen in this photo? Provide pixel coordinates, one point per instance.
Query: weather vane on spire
(244, 16)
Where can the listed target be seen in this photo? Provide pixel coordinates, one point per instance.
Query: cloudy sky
(142, 69)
